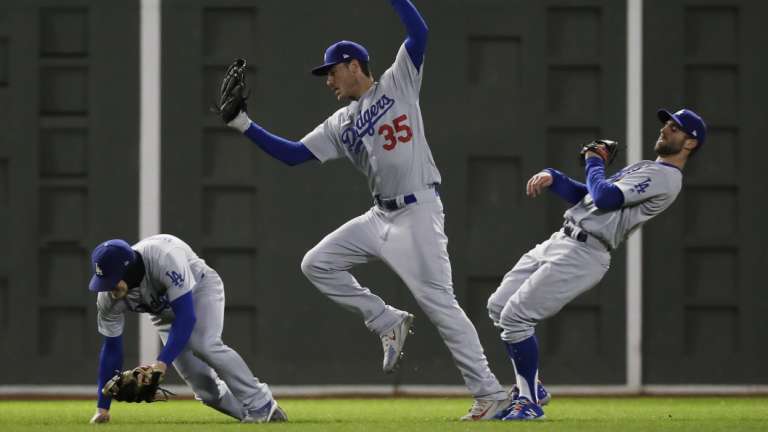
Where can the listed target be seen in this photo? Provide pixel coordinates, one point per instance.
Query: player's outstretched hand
(101, 416)
(538, 183)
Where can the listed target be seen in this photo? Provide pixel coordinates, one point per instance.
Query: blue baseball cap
(109, 260)
(340, 52)
(690, 122)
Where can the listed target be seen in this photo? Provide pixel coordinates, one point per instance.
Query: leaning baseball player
(605, 212)
(161, 275)
(382, 133)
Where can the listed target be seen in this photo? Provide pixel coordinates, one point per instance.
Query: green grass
(696, 414)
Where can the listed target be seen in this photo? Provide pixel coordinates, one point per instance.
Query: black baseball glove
(233, 92)
(141, 384)
(607, 149)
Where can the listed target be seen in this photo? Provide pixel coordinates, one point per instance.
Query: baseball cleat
(393, 342)
(541, 393)
(270, 412)
(524, 409)
(486, 409)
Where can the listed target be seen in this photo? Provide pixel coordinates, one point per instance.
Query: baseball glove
(233, 92)
(141, 384)
(607, 149)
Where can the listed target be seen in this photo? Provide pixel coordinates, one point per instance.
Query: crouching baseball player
(161, 275)
(575, 258)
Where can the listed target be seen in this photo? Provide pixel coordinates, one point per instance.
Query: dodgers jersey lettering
(648, 187)
(382, 133)
(172, 269)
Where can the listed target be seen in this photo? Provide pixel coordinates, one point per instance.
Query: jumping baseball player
(161, 275)
(575, 258)
(382, 133)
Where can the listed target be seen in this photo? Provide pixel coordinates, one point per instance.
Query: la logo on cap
(345, 55)
(98, 271)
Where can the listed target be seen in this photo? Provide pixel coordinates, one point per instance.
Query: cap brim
(665, 115)
(323, 69)
(100, 284)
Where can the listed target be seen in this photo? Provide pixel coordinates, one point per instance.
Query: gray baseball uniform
(217, 374)
(382, 134)
(556, 271)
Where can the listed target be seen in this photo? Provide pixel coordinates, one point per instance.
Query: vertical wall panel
(64, 152)
(64, 32)
(712, 30)
(702, 310)
(5, 306)
(574, 92)
(584, 82)
(3, 62)
(565, 23)
(212, 194)
(489, 204)
(64, 91)
(68, 171)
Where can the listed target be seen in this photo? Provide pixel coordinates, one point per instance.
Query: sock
(525, 357)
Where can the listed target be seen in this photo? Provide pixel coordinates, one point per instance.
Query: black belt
(396, 203)
(581, 236)
(391, 203)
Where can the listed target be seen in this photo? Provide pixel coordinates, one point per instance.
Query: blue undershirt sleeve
(416, 42)
(289, 152)
(181, 329)
(110, 360)
(566, 187)
(606, 195)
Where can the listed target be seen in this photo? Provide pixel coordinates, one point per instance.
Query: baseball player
(382, 133)
(161, 275)
(575, 258)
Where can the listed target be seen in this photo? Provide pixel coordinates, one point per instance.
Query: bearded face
(671, 139)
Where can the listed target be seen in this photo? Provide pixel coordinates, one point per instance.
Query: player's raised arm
(232, 109)
(606, 195)
(416, 42)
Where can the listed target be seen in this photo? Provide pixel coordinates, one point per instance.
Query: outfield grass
(422, 415)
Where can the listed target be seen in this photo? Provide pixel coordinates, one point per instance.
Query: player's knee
(515, 325)
(207, 391)
(494, 309)
(311, 264)
(205, 396)
(308, 263)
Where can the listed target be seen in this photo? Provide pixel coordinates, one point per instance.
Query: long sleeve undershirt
(181, 328)
(566, 187)
(110, 360)
(416, 27)
(605, 195)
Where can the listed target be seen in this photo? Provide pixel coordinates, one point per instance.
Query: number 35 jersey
(171, 270)
(382, 133)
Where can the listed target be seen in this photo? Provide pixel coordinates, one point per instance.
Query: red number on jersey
(389, 135)
(403, 128)
(404, 132)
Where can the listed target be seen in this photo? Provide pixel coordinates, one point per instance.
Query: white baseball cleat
(267, 413)
(486, 409)
(393, 342)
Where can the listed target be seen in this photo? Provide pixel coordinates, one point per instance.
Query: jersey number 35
(397, 131)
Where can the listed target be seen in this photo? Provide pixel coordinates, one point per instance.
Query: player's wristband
(241, 122)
